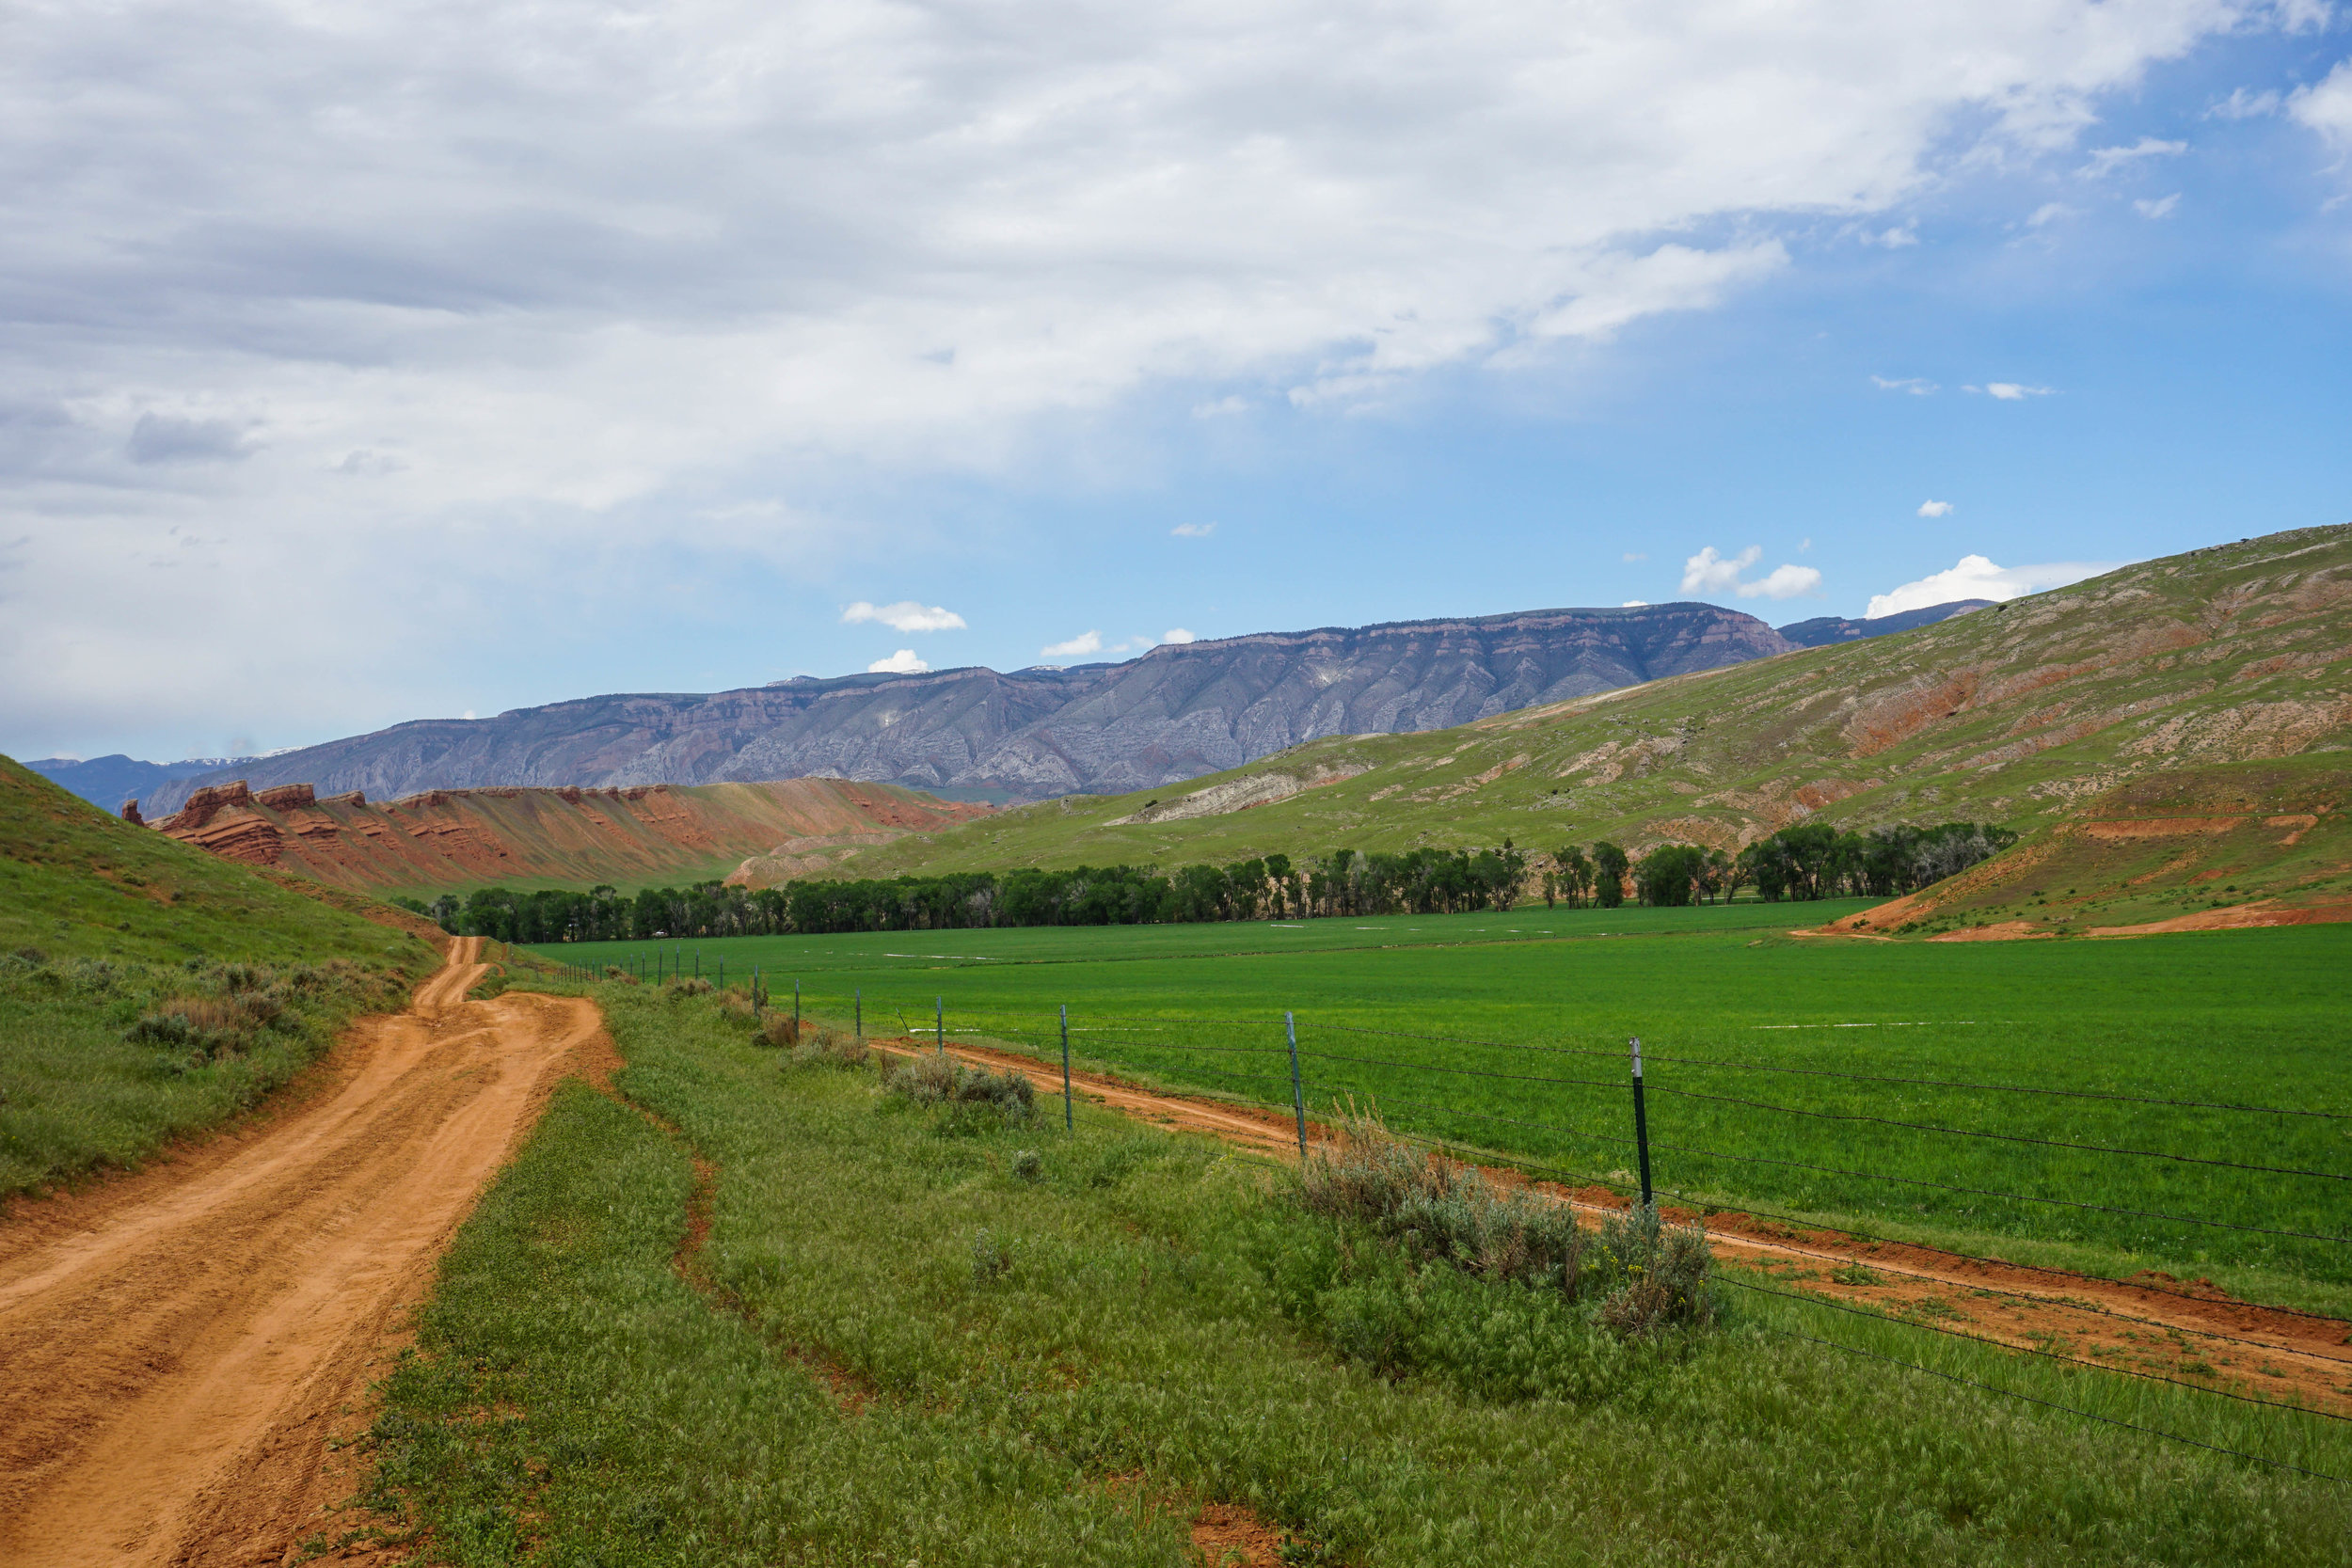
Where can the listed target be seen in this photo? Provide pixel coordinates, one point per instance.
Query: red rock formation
(131, 813)
(285, 797)
(204, 805)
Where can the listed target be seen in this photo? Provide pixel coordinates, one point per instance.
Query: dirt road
(180, 1346)
(2154, 1326)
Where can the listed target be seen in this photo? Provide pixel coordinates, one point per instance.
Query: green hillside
(2022, 714)
(148, 988)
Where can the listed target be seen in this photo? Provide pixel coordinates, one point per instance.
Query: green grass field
(2250, 1018)
(894, 1350)
(101, 924)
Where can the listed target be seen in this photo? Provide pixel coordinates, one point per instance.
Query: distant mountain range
(1176, 713)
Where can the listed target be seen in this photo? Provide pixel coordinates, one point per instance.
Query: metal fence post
(857, 1002)
(1069, 1118)
(1298, 1092)
(938, 1021)
(1640, 1122)
(796, 1008)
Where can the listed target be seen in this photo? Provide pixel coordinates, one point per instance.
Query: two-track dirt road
(177, 1348)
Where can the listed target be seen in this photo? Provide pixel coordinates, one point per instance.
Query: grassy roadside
(905, 1352)
(149, 989)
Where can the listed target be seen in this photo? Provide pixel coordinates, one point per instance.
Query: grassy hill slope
(148, 988)
(2021, 714)
(452, 840)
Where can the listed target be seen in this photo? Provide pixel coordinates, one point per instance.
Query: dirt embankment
(2151, 1326)
(183, 1345)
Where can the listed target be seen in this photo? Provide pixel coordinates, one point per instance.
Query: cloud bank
(1975, 576)
(906, 616)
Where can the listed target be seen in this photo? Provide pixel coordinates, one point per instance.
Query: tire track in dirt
(182, 1345)
(2156, 1327)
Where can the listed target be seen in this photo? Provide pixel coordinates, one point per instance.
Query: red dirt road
(180, 1345)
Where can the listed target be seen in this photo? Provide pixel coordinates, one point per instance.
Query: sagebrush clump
(1647, 1275)
(932, 1079)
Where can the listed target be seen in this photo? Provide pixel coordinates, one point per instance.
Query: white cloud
(2009, 391)
(1915, 386)
(649, 283)
(1193, 530)
(1804, 545)
(1222, 407)
(1975, 578)
(1632, 555)
(903, 662)
(1783, 582)
(2106, 160)
(1893, 239)
(1177, 635)
(1709, 573)
(1935, 509)
(2326, 106)
(1635, 604)
(1077, 647)
(906, 616)
(2048, 212)
(2162, 208)
(2246, 103)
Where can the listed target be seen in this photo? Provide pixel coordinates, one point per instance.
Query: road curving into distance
(182, 1346)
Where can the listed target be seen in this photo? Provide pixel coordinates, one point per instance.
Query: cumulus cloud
(1709, 572)
(1783, 582)
(1635, 604)
(2106, 160)
(2326, 106)
(1177, 635)
(1975, 576)
(906, 616)
(903, 662)
(1077, 647)
(1917, 386)
(1935, 509)
(2159, 208)
(657, 279)
(1193, 530)
(2010, 391)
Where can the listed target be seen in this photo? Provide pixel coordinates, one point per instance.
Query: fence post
(1640, 1122)
(1298, 1093)
(939, 1020)
(722, 972)
(1069, 1119)
(857, 1002)
(796, 1008)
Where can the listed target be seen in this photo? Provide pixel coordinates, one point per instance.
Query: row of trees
(1801, 862)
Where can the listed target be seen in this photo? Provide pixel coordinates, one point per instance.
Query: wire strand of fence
(2053, 1405)
(2069, 1304)
(2029, 1350)
(1541, 1168)
(1856, 1077)
(2003, 1137)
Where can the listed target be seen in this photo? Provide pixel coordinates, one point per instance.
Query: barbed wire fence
(1278, 1076)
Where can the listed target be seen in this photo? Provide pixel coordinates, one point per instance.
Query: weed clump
(991, 1259)
(823, 1047)
(1028, 1165)
(930, 1079)
(692, 985)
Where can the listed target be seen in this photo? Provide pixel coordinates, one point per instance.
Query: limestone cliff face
(1174, 714)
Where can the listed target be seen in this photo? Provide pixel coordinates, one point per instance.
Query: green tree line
(1807, 862)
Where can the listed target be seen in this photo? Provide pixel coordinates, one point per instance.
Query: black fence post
(938, 1021)
(796, 1008)
(1069, 1118)
(857, 1002)
(1298, 1092)
(1640, 1122)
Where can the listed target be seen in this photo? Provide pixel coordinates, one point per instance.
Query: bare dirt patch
(183, 1347)
(2005, 931)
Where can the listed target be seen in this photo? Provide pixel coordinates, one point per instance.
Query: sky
(361, 363)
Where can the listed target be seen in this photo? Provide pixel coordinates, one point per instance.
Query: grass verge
(904, 1342)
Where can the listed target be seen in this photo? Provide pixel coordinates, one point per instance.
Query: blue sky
(375, 365)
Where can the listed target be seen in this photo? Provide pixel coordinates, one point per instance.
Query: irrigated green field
(1743, 1028)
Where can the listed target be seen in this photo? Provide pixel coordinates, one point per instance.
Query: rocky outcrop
(204, 804)
(286, 797)
(131, 813)
(1176, 713)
